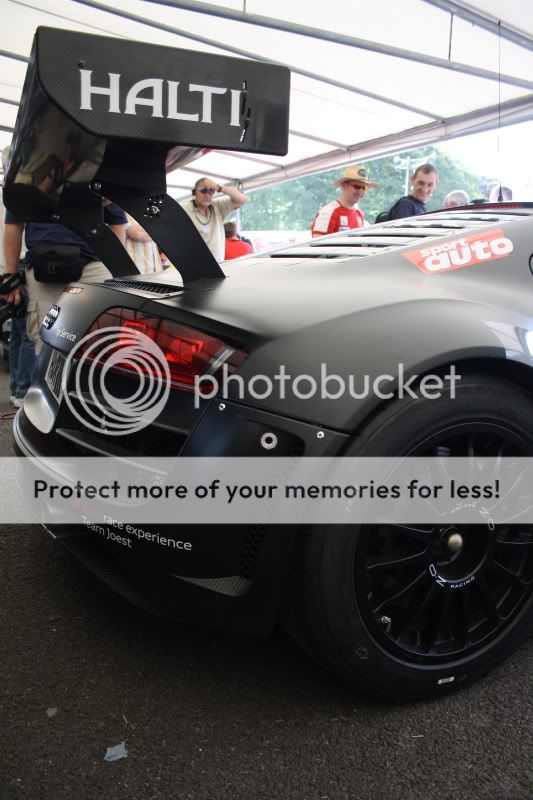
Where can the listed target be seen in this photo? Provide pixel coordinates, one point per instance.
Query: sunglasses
(206, 191)
(359, 186)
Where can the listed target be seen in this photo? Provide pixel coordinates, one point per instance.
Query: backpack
(383, 216)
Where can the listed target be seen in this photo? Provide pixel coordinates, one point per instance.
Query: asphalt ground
(206, 716)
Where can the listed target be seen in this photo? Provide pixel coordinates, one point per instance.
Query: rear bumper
(232, 577)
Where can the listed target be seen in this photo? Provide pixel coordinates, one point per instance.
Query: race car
(404, 611)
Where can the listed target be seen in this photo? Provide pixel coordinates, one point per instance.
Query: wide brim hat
(356, 173)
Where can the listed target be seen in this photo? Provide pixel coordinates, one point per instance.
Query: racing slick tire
(364, 601)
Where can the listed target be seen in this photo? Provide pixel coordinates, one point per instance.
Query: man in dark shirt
(423, 184)
(42, 295)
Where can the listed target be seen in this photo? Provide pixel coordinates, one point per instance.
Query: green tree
(292, 205)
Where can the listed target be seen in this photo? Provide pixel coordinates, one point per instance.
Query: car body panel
(371, 302)
(324, 309)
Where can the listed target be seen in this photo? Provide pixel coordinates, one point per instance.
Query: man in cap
(343, 213)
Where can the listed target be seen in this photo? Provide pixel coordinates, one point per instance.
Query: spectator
(142, 249)
(500, 194)
(208, 215)
(166, 263)
(41, 295)
(244, 239)
(423, 184)
(343, 213)
(235, 246)
(21, 347)
(21, 361)
(456, 198)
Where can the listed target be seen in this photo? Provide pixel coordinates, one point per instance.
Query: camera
(10, 310)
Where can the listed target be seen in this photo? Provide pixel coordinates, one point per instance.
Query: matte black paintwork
(360, 316)
(352, 302)
(357, 314)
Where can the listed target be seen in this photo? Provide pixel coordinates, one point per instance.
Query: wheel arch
(514, 371)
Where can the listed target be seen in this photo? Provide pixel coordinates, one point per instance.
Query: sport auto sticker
(466, 251)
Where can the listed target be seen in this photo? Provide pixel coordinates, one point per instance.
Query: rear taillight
(189, 353)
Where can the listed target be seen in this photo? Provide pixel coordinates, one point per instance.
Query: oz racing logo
(464, 252)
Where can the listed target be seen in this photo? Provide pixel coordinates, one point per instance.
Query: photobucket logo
(327, 386)
(88, 366)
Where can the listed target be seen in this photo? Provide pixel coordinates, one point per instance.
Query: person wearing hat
(343, 213)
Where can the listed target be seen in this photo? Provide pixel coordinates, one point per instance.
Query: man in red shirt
(343, 213)
(235, 246)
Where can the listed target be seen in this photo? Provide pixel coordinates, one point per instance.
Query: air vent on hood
(325, 251)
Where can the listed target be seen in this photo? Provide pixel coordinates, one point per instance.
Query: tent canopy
(367, 78)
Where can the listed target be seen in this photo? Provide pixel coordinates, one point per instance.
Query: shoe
(18, 402)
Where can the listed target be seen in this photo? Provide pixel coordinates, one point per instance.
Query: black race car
(404, 611)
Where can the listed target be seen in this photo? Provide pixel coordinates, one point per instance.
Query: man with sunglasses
(344, 213)
(208, 214)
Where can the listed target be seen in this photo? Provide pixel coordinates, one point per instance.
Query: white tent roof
(368, 78)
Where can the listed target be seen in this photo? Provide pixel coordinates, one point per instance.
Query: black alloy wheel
(416, 611)
(432, 593)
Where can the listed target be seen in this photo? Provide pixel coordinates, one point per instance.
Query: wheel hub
(449, 542)
(459, 554)
(454, 543)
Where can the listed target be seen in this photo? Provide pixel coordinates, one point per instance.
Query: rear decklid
(307, 284)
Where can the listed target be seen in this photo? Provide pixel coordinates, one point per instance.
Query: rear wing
(102, 117)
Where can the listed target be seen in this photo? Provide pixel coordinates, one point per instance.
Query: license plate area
(54, 374)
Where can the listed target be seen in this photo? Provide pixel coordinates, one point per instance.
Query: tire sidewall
(333, 549)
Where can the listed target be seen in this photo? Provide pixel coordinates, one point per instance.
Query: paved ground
(208, 716)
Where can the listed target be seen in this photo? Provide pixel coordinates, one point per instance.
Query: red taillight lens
(131, 326)
(183, 351)
(189, 353)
